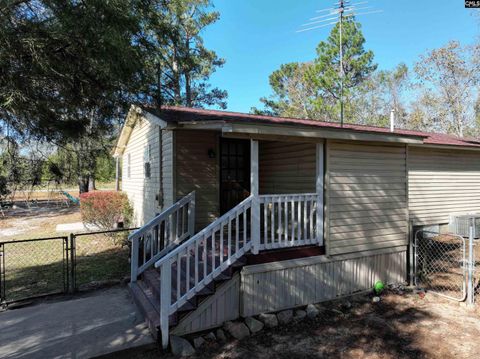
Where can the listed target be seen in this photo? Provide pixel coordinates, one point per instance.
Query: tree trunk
(86, 163)
(188, 90)
(83, 184)
(91, 183)
(188, 85)
(176, 76)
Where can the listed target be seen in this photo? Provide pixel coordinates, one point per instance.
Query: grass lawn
(40, 267)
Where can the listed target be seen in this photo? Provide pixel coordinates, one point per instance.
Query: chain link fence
(32, 268)
(100, 258)
(476, 270)
(440, 264)
(42, 266)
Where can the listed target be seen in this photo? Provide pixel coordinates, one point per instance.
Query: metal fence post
(66, 265)
(2, 273)
(73, 281)
(470, 263)
(411, 253)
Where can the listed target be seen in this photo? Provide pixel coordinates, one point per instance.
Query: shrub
(106, 209)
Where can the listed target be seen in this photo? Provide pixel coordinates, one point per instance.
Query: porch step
(151, 281)
(146, 308)
(151, 277)
(146, 294)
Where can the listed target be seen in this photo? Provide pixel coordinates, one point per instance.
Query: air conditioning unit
(460, 224)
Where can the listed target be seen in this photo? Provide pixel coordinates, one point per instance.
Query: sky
(256, 36)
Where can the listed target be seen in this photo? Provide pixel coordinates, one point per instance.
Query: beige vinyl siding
(142, 191)
(281, 285)
(287, 167)
(442, 182)
(366, 197)
(194, 170)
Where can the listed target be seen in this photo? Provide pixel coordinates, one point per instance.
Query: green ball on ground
(378, 287)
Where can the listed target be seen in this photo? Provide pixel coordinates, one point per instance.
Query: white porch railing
(194, 264)
(162, 234)
(186, 268)
(288, 220)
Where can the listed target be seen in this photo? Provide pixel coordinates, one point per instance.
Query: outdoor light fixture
(211, 153)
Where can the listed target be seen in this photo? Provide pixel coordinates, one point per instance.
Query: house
(243, 214)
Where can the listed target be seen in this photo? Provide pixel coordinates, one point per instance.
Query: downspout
(160, 198)
(117, 173)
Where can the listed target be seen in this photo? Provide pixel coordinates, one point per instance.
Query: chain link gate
(99, 258)
(476, 273)
(473, 284)
(33, 268)
(441, 264)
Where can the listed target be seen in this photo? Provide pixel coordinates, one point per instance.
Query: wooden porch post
(165, 300)
(255, 215)
(191, 215)
(319, 190)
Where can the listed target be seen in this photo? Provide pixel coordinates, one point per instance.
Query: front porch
(260, 210)
(285, 178)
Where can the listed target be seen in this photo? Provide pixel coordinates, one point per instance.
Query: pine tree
(178, 62)
(317, 87)
(70, 69)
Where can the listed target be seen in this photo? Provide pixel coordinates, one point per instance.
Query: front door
(234, 172)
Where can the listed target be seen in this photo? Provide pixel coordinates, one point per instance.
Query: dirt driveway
(37, 222)
(400, 326)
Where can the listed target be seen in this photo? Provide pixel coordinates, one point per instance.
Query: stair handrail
(212, 225)
(171, 236)
(233, 254)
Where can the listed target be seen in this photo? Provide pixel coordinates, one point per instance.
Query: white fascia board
(203, 125)
(298, 131)
(447, 147)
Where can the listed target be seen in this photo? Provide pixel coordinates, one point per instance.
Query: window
(147, 170)
(147, 159)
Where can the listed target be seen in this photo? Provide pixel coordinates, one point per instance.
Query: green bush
(106, 209)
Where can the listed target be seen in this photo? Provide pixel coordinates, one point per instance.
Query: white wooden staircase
(173, 269)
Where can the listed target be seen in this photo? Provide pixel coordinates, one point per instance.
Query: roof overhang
(237, 124)
(271, 131)
(448, 147)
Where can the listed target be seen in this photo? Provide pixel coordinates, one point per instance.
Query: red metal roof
(186, 114)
